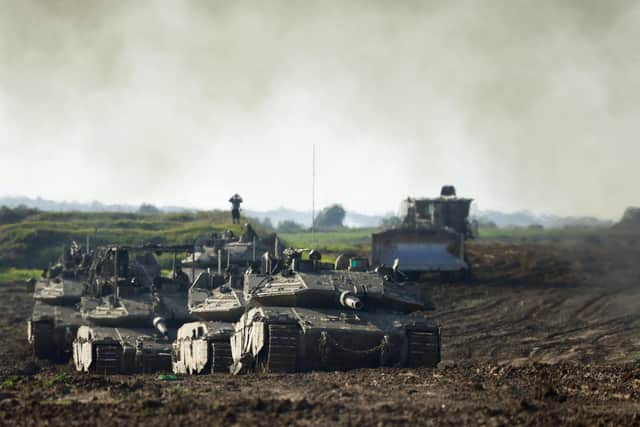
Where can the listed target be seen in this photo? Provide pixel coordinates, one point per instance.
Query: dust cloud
(521, 104)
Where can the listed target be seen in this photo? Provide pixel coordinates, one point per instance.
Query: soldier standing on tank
(235, 201)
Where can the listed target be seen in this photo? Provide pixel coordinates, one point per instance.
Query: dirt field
(545, 334)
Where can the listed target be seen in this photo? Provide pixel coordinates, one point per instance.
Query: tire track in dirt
(515, 312)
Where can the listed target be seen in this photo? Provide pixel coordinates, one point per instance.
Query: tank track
(154, 363)
(221, 357)
(41, 336)
(424, 348)
(283, 348)
(108, 359)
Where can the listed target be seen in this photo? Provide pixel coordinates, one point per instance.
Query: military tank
(224, 249)
(217, 299)
(203, 347)
(55, 319)
(431, 238)
(130, 317)
(303, 315)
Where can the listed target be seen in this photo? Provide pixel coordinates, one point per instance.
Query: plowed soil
(543, 334)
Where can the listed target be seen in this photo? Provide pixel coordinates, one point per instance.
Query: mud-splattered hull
(203, 348)
(121, 351)
(280, 339)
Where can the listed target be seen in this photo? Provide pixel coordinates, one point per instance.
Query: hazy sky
(520, 104)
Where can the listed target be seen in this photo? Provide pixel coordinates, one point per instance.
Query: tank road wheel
(221, 357)
(424, 348)
(283, 348)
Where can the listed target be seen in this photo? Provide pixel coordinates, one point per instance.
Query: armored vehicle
(62, 283)
(128, 312)
(431, 238)
(203, 347)
(218, 300)
(55, 318)
(225, 250)
(217, 297)
(303, 315)
(53, 326)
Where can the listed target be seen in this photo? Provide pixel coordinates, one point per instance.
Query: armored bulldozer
(55, 318)
(130, 313)
(431, 238)
(303, 315)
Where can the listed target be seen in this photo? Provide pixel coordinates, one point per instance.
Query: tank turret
(217, 297)
(222, 250)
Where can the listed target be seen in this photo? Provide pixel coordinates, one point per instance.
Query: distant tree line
(289, 226)
(329, 218)
(12, 215)
(391, 221)
(630, 218)
(148, 209)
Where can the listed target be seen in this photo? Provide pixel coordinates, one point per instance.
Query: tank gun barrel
(163, 248)
(349, 300)
(153, 248)
(161, 325)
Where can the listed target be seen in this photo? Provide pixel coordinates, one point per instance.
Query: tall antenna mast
(313, 195)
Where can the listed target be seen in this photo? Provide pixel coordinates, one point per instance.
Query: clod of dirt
(527, 405)
(549, 392)
(29, 368)
(479, 386)
(151, 403)
(6, 395)
(447, 364)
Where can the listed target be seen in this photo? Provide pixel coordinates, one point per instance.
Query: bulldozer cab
(447, 211)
